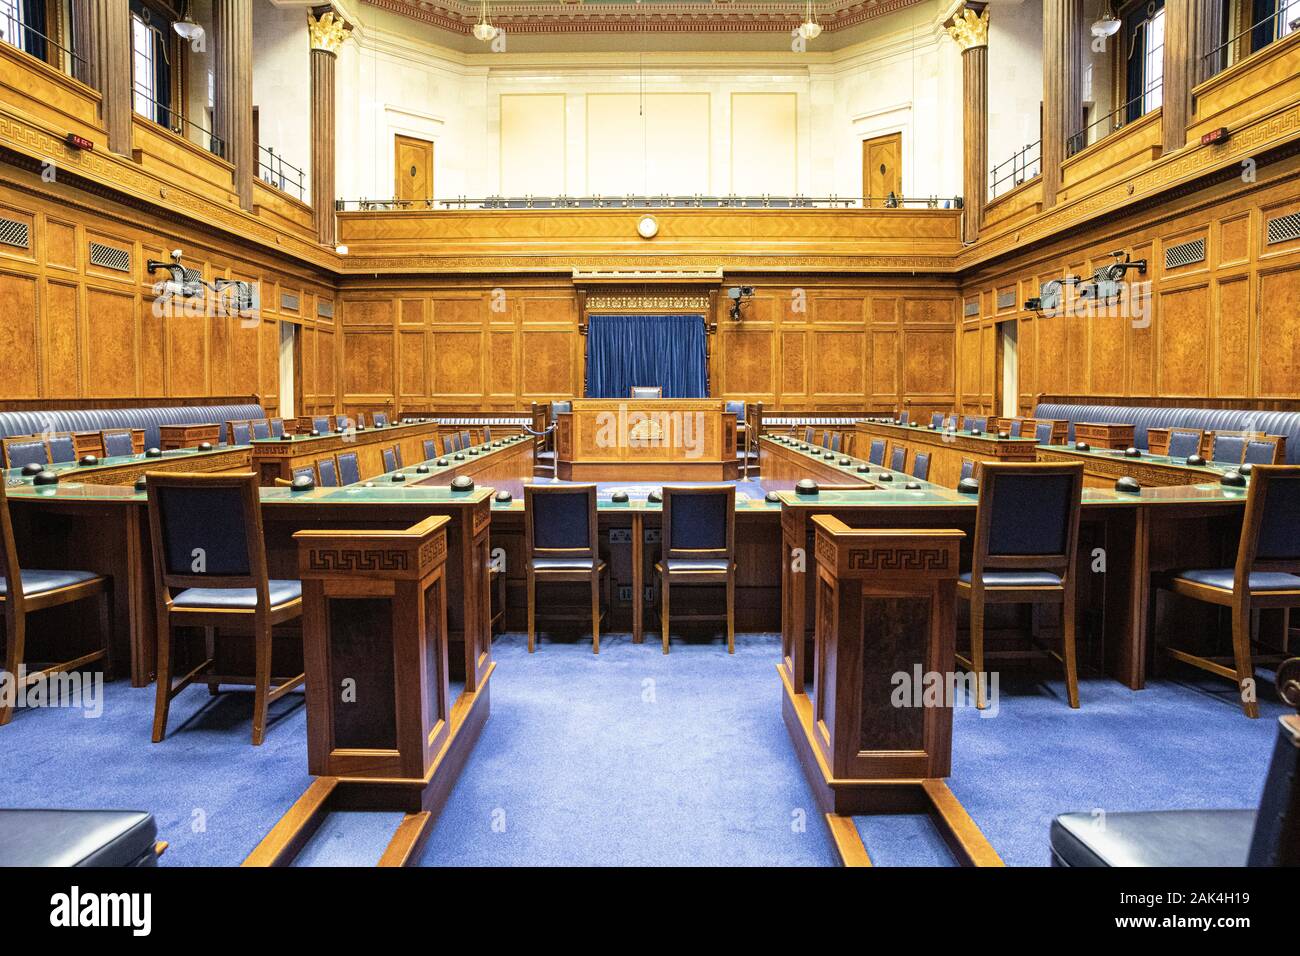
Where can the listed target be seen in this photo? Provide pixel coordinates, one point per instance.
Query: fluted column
(969, 27)
(1191, 32)
(1062, 86)
(103, 32)
(233, 65)
(327, 34)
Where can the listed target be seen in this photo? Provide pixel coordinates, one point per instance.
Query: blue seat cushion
(1154, 838)
(563, 564)
(678, 565)
(77, 838)
(38, 582)
(1016, 579)
(1259, 580)
(235, 599)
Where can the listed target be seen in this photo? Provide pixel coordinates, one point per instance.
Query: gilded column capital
(969, 29)
(328, 32)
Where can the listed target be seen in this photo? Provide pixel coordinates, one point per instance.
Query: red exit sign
(1214, 136)
(78, 142)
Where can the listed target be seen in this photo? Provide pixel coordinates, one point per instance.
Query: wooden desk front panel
(278, 459)
(947, 450)
(649, 431)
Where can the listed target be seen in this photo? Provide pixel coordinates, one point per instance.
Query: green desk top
(1211, 469)
(66, 469)
(916, 430)
(370, 430)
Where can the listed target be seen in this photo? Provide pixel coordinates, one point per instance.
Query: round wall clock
(648, 227)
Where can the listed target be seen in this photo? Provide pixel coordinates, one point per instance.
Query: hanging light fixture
(484, 30)
(187, 29)
(810, 29)
(1106, 25)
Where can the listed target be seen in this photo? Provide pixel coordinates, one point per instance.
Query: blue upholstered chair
(349, 468)
(904, 417)
(876, 454)
(967, 469)
(921, 466)
(62, 448)
(826, 438)
(898, 458)
(241, 433)
(1184, 442)
(305, 471)
(487, 434)
(1043, 433)
(277, 427)
(26, 451)
(837, 440)
(210, 572)
(810, 436)
(430, 449)
(465, 440)
(1026, 526)
(26, 590)
(1014, 429)
(357, 420)
(646, 391)
(1266, 575)
(390, 458)
(118, 444)
(451, 443)
(321, 423)
(699, 547)
(563, 544)
(1228, 448)
(328, 470)
(1259, 451)
(261, 428)
(972, 422)
(380, 418)
(936, 419)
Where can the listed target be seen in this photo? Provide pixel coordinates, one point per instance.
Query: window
(1144, 35)
(1289, 22)
(150, 70)
(22, 25)
(142, 66)
(10, 23)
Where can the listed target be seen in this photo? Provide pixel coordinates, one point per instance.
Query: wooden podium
(870, 739)
(613, 439)
(382, 731)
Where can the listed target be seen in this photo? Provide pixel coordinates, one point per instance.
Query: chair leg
(106, 627)
(731, 613)
(1068, 651)
(261, 680)
(1241, 653)
(595, 613)
(663, 609)
(532, 610)
(14, 640)
(163, 679)
(977, 644)
(210, 649)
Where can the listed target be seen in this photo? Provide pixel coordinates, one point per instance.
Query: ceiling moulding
(657, 16)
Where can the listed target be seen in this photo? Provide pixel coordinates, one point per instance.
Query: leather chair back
(430, 449)
(321, 423)
(809, 435)
(349, 469)
(898, 458)
(936, 419)
(329, 473)
(381, 419)
(1276, 840)
(62, 448)
(971, 422)
(1270, 529)
(1043, 433)
(1259, 451)
(561, 521)
(487, 434)
(967, 469)
(1014, 429)
(32, 451)
(308, 471)
(240, 433)
(699, 522)
(921, 466)
(261, 429)
(118, 444)
(1184, 442)
(277, 427)
(1027, 518)
(451, 443)
(1228, 448)
(466, 441)
(876, 455)
(390, 458)
(737, 409)
(836, 440)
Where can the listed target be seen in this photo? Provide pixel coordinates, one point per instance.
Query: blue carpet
(634, 758)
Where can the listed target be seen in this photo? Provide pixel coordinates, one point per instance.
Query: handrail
(20, 36)
(1018, 169)
(1219, 58)
(274, 171)
(1079, 140)
(652, 202)
(176, 122)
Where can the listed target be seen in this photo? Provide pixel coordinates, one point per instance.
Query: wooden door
(882, 167)
(412, 168)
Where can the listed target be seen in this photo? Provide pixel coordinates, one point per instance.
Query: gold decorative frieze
(647, 301)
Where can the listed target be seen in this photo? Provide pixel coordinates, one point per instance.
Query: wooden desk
(1102, 466)
(622, 439)
(947, 449)
(1105, 434)
(278, 457)
(125, 469)
(188, 436)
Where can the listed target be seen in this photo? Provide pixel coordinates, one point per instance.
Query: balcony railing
(18, 34)
(145, 105)
(274, 171)
(1024, 165)
(653, 202)
(1139, 106)
(1283, 21)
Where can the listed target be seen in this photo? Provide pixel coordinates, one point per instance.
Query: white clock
(648, 227)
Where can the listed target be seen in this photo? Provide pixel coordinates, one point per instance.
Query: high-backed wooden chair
(1184, 442)
(646, 391)
(380, 419)
(971, 422)
(466, 440)
(563, 544)
(876, 453)
(921, 466)
(898, 458)
(1227, 448)
(241, 433)
(1015, 427)
(1260, 450)
(1266, 575)
(1043, 433)
(936, 419)
(430, 448)
(451, 443)
(904, 417)
(390, 456)
(118, 443)
(261, 428)
(349, 468)
(321, 423)
(277, 427)
(26, 450)
(967, 469)
(809, 435)
(63, 447)
(24, 591)
(699, 547)
(1026, 526)
(210, 572)
(328, 470)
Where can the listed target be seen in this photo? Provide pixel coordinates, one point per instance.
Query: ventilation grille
(1007, 299)
(192, 275)
(1284, 228)
(972, 307)
(289, 301)
(109, 257)
(325, 310)
(1185, 254)
(15, 233)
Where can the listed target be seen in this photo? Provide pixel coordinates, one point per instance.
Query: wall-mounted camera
(738, 294)
(1107, 281)
(1048, 300)
(234, 296)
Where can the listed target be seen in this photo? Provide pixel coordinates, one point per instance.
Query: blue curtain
(664, 350)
